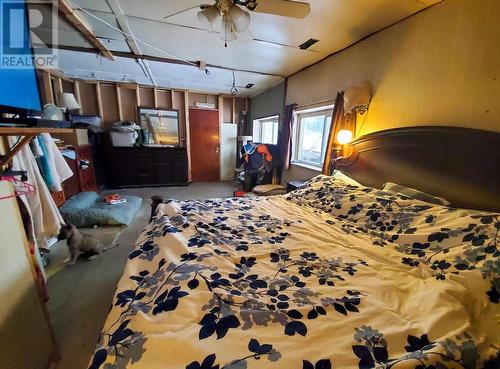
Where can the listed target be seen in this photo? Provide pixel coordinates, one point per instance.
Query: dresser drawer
(147, 166)
(58, 197)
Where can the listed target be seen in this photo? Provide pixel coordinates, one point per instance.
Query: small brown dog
(79, 244)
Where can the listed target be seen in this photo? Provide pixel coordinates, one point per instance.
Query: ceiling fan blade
(182, 11)
(285, 8)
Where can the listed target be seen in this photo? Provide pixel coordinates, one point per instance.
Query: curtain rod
(315, 104)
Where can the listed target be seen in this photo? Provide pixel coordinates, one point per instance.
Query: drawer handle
(83, 164)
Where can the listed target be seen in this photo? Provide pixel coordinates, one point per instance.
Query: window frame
(271, 118)
(327, 112)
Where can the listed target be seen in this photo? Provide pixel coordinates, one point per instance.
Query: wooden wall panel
(57, 89)
(178, 103)
(146, 96)
(129, 104)
(213, 99)
(67, 86)
(227, 110)
(241, 105)
(109, 105)
(88, 98)
(45, 87)
(195, 97)
(164, 99)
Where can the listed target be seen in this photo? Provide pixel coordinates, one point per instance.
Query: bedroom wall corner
(438, 67)
(267, 103)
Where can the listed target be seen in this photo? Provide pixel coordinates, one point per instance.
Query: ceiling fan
(236, 20)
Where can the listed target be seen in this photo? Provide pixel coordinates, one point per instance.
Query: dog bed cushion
(269, 190)
(88, 208)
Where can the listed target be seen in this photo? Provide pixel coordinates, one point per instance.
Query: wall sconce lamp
(344, 136)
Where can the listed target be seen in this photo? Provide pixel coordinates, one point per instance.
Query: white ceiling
(267, 51)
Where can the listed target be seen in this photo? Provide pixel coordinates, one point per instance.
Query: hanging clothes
(43, 162)
(45, 215)
(54, 168)
(35, 148)
(262, 149)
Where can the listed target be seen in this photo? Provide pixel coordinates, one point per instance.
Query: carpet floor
(81, 295)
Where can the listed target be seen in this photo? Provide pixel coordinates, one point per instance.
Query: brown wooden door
(204, 135)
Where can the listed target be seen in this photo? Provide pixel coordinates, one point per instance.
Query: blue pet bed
(88, 208)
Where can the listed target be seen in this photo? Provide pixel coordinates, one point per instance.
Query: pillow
(414, 194)
(337, 174)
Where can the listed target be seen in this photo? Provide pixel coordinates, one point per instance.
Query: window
(265, 130)
(311, 135)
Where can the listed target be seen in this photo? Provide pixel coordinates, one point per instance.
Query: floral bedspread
(328, 276)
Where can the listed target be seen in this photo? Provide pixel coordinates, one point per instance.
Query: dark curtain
(337, 124)
(285, 139)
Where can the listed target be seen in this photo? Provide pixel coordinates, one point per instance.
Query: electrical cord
(234, 90)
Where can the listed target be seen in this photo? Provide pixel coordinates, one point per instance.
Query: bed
(332, 275)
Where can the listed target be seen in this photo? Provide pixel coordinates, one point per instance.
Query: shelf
(28, 133)
(31, 131)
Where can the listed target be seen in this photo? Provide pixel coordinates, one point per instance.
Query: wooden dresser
(83, 168)
(147, 166)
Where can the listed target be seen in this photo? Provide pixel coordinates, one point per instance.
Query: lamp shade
(240, 18)
(208, 16)
(228, 33)
(357, 98)
(68, 101)
(344, 136)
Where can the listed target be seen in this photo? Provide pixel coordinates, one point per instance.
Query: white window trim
(265, 119)
(296, 113)
(307, 166)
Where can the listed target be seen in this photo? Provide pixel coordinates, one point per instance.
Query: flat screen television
(19, 90)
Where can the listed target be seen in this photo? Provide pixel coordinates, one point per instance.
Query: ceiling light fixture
(234, 19)
(228, 33)
(208, 16)
(240, 18)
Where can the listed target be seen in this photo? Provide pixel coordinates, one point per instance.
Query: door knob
(217, 150)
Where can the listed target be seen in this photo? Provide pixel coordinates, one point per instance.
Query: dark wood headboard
(461, 165)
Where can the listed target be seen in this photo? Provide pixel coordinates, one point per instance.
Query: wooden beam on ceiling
(80, 24)
(55, 73)
(129, 37)
(123, 54)
(122, 22)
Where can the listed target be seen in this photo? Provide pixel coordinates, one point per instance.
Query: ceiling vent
(306, 45)
(250, 85)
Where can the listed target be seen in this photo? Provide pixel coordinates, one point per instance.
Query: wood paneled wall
(110, 105)
(119, 101)
(88, 98)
